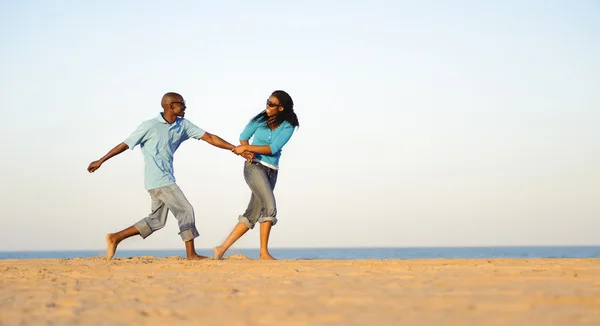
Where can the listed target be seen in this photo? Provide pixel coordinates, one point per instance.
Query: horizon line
(313, 248)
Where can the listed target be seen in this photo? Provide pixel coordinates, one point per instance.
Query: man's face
(178, 107)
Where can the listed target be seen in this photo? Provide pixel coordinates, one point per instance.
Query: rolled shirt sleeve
(282, 139)
(193, 131)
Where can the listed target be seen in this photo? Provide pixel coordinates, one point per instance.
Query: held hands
(249, 156)
(240, 150)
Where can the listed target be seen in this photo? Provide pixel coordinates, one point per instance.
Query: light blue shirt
(263, 135)
(158, 141)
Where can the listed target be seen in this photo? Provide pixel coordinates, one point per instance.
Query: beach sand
(239, 291)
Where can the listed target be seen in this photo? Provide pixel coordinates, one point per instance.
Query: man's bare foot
(266, 256)
(195, 257)
(218, 253)
(111, 245)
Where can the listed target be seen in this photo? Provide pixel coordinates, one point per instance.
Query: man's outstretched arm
(216, 141)
(113, 152)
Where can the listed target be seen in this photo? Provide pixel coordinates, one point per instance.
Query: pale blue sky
(423, 123)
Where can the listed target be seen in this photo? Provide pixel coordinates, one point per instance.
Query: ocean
(343, 253)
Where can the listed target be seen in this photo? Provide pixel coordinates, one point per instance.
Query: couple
(160, 137)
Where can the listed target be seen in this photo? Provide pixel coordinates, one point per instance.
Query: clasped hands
(241, 150)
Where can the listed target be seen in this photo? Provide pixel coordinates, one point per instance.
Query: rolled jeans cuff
(244, 220)
(271, 219)
(143, 228)
(189, 234)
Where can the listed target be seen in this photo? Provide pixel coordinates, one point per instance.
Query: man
(159, 138)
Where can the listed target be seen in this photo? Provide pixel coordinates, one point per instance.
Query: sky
(422, 123)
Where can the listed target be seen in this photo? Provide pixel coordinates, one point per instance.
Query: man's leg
(153, 222)
(183, 211)
(113, 240)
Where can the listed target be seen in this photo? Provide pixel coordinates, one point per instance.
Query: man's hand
(239, 149)
(115, 151)
(94, 166)
(249, 156)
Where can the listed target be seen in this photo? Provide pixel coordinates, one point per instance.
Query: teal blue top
(263, 135)
(158, 141)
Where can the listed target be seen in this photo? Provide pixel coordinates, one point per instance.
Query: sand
(239, 291)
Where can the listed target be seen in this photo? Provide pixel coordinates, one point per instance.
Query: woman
(272, 129)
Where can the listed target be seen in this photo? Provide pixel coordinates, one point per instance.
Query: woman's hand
(249, 156)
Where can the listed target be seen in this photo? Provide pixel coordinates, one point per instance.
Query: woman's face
(273, 106)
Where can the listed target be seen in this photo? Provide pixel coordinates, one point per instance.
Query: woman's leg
(265, 223)
(250, 216)
(238, 231)
(265, 231)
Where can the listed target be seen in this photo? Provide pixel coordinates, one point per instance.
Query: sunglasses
(182, 104)
(271, 104)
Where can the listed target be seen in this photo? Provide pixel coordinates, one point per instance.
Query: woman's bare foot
(111, 245)
(266, 256)
(218, 253)
(195, 257)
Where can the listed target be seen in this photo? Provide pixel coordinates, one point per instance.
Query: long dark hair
(287, 114)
